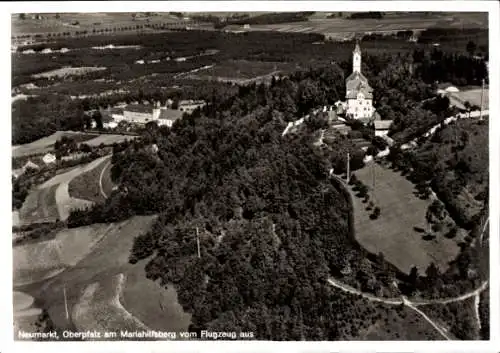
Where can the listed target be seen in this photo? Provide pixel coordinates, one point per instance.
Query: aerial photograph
(260, 176)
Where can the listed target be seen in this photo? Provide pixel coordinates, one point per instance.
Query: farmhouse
(49, 158)
(382, 127)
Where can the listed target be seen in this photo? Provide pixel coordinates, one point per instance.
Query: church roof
(170, 114)
(357, 83)
(139, 108)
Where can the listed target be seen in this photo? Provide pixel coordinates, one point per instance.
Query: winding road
(413, 304)
(100, 179)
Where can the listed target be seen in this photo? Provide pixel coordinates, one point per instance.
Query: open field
(39, 206)
(473, 96)
(46, 144)
(392, 233)
(156, 307)
(25, 314)
(86, 21)
(48, 258)
(342, 28)
(108, 139)
(66, 71)
(65, 203)
(243, 70)
(406, 325)
(51, 200)
(99, 308)
(87, 186)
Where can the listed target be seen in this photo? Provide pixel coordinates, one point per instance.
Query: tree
(471, 47)
(98, 120)
(413, 277)
(22, 16)
(432, 274)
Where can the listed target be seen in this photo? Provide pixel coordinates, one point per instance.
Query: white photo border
(7, 344)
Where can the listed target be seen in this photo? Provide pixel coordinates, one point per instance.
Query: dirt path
(441, 331)
(100, 179)
(432, 130)
(413, 304)
(399, 301)
(477, 301)
(483, 231)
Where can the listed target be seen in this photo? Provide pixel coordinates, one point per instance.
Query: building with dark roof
(359, 97)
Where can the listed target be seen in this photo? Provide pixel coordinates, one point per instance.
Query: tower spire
(356, 58)
(357, 49)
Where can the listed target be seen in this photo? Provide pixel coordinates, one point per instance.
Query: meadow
(92, 280)
(401, 324)
(51, 200)
(46, 144)
(393, 233)
(87, 186)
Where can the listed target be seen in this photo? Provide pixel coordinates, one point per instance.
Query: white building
(359, 96)
(49, 158)
(143, 114)
(382, 127)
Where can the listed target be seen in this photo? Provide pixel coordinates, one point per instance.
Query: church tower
(356, 59)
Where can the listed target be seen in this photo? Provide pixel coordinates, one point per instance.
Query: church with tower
(359, 94)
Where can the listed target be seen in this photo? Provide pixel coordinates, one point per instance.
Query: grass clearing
(51, 200)
(65, 203)
(68, 71)
(392, 233)
(35, 262)
(234, 70)
(108, 139)
(473, 96)
(86, 186)
(99, 309)
(398, 21)
(108, 258)
(39, 206)
(46, 144)
(401, 325)
(86, 21)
